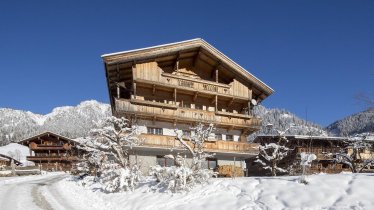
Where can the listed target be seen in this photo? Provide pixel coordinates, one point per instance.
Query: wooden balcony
(34, 146)
(195, 85)
(186, 115)
(321, 153)
(168, 142)
(51, 158)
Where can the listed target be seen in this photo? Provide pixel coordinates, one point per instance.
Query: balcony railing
(202, 86)
(210, 146)
(51, 158)
(186, 114)
(34, 146)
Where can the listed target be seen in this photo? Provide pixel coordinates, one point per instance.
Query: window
(155, 131)
(162, 161)
(218, 136)
(212, 163)
(229, 138)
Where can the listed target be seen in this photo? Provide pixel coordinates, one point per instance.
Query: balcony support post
(175, 96)
(216, 103)
(216, 74)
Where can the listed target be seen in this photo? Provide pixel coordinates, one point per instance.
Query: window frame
(155, 131)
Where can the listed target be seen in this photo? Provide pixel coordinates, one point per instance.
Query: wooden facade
(52, 152)
(180, 84)
(318, 145)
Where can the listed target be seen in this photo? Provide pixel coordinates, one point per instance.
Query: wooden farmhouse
(321, 146)
(178, 85)
(52, 152)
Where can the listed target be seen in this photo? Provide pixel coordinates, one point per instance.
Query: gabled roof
(165, 49)
(47, 133)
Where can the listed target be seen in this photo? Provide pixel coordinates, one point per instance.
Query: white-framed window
(229, 138)
(154, 131)
(218, 136)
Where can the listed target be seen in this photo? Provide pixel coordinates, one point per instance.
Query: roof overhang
(144, 54)
(47, 133)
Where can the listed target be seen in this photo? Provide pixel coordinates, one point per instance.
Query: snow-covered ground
(341, 191)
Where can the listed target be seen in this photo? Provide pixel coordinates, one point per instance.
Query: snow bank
(342, 191)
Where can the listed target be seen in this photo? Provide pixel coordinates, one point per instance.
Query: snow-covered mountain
(362, 122)
(281, 119)
(70, 121)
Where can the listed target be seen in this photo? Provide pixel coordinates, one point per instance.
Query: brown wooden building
(318, 145)
(52, 152)
(178, 85)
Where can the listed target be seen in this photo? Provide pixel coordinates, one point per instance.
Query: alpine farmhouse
(176, 86)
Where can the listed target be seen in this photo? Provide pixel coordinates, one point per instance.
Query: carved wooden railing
(185, 114)
(51, 158)
(211, 146)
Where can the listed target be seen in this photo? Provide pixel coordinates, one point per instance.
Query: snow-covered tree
(270, 155)
(181, 177)
(198, 139)
(305, 162)
(351, 155)
(108, 149)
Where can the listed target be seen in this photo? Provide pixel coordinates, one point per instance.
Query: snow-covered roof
(294, 137)
(7, 158)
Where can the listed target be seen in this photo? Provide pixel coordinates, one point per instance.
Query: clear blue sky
(315, 54)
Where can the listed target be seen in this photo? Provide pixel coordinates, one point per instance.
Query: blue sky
(317, 55)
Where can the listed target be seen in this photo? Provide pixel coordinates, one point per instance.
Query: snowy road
(35, 192)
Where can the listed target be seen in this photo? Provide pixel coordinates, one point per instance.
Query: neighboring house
(321, 146)
(7, 161)
(178, 85)
(52, 152)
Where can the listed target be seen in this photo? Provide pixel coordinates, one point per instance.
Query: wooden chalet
(52, 152)
(180, 84)
(318, 145)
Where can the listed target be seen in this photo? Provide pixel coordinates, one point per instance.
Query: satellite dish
(253, 102)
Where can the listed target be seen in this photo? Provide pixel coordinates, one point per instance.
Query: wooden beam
(134, 88)
(195, 96)
(213, 99)
(176, 62)
(118, 91)
(214, 73)
(196, 58)
(175, 95)
(117, 69)
(216, 105)
(230, 102)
